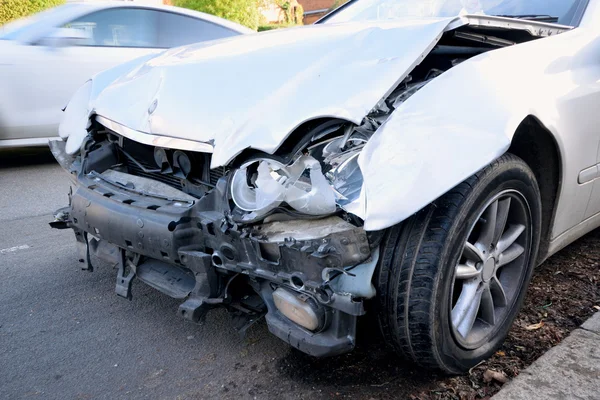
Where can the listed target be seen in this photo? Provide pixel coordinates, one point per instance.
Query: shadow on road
(372, 368)
(10, 158)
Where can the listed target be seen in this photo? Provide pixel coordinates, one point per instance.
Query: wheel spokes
(509, 237)
(510, 254)
(488, 227)
(465, 271)
(465, 311)
(479, 299)
(497, 292)
(473, 253)
(502, 217)
(486, 308)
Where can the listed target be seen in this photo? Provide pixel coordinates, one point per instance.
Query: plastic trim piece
(155, 140)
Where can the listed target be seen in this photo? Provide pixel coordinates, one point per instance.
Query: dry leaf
(491, 375)
(597, 308)
(535, 326)
(500, 353)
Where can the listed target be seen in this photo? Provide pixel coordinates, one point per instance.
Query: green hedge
(270, 27)
(13, 9)
(245, 12)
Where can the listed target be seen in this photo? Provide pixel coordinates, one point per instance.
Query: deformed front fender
(466, 118)
(419, 155)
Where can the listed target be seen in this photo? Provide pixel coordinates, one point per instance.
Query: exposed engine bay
(271, 234)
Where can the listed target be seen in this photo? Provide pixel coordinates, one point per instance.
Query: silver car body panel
(204, 82)
(453, 127)
(466, 118)
(155, 140)
(222, 91)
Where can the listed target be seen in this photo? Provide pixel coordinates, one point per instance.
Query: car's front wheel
(452, 278)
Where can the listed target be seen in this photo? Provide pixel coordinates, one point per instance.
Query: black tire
(416, 272)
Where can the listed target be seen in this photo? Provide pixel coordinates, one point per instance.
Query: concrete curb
(570, 370)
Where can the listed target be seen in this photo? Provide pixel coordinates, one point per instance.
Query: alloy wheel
(492, 267)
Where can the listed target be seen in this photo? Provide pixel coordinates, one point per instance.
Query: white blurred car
(46, 57)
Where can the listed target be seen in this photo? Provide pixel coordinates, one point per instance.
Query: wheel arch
(537, 146)
(298, 137)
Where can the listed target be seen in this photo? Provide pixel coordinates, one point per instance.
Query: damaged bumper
(308, 276)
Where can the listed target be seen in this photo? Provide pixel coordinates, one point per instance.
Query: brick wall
(315, 5)
(312, 5)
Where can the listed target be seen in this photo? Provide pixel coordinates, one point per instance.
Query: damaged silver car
(421, 157)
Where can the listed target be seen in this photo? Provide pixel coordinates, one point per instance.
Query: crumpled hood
(252, 91)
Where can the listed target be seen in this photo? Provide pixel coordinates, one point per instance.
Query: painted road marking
(13, 249)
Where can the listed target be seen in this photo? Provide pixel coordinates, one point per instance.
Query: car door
(47, 75)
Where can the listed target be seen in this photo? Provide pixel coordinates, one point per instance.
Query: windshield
(15, 30)
(372, 10)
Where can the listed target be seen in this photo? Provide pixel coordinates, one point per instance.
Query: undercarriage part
(246, 311)
(299, 308)
(61, 218)
(338, 337)
(125, 275)
(189, 249)
(161, 228)
(104, 250)
(172, 280)
(83, 250)
(195, 308)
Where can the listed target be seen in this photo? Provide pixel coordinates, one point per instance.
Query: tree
(293, 11)
(245, 12)
(13, 9)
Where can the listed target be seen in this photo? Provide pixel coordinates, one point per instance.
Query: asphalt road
(64, 334)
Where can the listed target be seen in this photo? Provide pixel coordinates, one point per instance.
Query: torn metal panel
(535, 28)
(304, 229)
(466, 118)
(412, 132)
(358, 282)
(301, 62)
(156, 140)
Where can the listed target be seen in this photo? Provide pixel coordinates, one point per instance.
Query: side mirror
(64, 37)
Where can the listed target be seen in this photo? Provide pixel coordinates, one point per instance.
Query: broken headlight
(321, 178)
(260, 186)
(73, 128)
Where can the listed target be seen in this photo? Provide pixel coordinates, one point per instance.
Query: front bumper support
(189, 249)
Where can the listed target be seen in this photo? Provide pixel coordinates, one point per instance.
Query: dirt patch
(563, 294)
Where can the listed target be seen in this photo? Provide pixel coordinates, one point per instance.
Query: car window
(119, 27)
(178, 30)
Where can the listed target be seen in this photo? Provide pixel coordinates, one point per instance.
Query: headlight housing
(320, 179)
(260, 186)
(75, 123)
